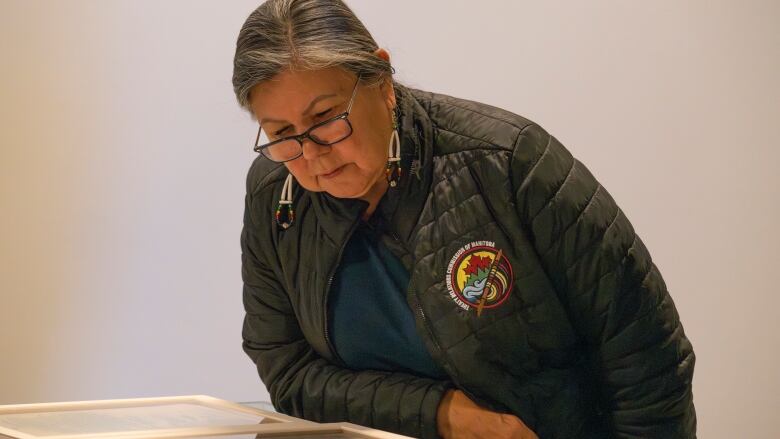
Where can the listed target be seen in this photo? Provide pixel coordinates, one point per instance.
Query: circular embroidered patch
(479, 276)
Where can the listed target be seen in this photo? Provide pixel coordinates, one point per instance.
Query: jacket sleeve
(305, 385)
(614, 295)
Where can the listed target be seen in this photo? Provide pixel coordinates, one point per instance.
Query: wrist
(443, 414)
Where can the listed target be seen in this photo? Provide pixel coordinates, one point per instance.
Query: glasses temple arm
(257, 139)
(354, 92)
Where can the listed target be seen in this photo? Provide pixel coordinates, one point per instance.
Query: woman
(429, 265)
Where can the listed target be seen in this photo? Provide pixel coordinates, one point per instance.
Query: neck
(373, 196)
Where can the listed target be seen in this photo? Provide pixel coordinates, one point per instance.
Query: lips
(332, 173)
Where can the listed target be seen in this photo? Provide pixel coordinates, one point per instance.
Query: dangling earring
(285, 215)
(393, 169)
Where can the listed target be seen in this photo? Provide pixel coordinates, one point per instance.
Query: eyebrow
(305, 111)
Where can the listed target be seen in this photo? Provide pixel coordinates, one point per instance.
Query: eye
(277, 133)
(324, 112)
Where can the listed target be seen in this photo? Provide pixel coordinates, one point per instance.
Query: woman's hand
(458, 417)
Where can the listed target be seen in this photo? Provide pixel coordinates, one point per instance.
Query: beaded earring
(285, 215)
(393, 170)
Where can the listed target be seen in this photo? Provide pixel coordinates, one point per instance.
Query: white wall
(123, 156)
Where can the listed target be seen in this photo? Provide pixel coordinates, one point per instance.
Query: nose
(312, 150)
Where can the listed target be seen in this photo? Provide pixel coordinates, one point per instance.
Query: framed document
(176, 417)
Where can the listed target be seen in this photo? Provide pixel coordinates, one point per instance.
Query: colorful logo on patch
(479, 276)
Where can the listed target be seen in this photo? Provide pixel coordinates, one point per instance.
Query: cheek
(369, 155)
(297, 168)
(300, 171)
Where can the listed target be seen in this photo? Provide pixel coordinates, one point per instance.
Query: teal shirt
(370, 322)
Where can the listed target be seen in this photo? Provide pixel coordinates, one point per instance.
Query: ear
(386, 88)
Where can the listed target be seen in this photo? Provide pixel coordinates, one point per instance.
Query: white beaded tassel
(393, 170)
(285, 215)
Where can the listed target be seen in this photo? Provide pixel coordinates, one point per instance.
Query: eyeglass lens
(326, 134)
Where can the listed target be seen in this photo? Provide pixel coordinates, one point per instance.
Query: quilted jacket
(528, 284)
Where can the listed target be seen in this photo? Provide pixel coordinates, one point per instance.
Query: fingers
(516, 429)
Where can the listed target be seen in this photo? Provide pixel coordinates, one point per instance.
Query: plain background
(124, 156)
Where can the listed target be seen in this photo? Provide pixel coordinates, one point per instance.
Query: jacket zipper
(411, 292)
(327, 291)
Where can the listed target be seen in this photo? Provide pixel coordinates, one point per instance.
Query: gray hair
(307, 35)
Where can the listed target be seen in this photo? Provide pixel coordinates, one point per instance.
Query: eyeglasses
(327, 132)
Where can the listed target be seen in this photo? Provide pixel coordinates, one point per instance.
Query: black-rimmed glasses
(327, 133)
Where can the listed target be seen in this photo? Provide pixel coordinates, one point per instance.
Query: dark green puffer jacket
(580, 337)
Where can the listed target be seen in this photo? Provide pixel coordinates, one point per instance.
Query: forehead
(288, 93)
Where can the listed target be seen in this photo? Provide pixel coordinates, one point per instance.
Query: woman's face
(351, 168)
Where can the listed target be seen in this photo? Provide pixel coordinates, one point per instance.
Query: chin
(339, 190)
(343, 191)
(347, 186)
